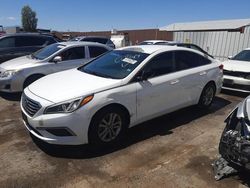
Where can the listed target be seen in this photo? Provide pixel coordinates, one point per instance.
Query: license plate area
(228, 81)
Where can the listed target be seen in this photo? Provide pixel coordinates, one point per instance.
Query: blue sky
(98, 15)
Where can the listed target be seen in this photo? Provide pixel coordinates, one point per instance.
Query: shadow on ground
(159, 126)
(11, 96)
(243, 177)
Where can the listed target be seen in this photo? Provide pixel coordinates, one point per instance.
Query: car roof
(154, 41)
(29, 34)
(101, 37)
(82, 43)
(149, 49)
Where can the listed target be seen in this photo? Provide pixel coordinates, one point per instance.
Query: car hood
(239, 66)
(70, 84)
(19, 63)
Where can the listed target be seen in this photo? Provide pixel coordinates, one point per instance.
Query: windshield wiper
(97, 74)
(33, 56)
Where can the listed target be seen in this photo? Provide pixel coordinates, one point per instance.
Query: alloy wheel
(208, 96)
(109, 127)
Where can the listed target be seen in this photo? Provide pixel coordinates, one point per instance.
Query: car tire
(30, 80)
(108, 126)
(207, 96)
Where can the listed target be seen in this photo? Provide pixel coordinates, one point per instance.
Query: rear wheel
(108, 126)
(207, 96)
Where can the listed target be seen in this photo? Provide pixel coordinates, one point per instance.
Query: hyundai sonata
(97, 102)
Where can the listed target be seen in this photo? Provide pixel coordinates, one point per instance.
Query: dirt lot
(175, 150)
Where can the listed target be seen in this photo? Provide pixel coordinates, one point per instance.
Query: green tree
(29, 20)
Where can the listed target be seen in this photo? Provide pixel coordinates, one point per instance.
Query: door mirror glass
(145, 75)
(57, 59)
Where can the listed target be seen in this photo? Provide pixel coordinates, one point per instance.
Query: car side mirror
(57, 59)
(230, 57)
(144, 76)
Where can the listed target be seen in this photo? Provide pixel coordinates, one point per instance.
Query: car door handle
(203, 73)
(174, 82)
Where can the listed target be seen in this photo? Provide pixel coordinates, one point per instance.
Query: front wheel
(108, 126)
(207, 96)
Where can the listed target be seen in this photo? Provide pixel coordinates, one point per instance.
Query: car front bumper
(5, 85)
(236, 84)
(234, 145)
(61, 129)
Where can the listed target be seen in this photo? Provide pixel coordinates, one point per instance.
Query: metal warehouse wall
(134, 35)
(220, 44)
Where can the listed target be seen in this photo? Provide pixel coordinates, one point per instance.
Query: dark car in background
(189, 45)
(99, 39)
(21, 44)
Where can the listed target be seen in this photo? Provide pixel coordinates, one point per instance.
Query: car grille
(235, 73)
(30, 106)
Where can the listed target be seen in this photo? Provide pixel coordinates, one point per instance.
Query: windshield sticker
(60, 47)
(130, 61)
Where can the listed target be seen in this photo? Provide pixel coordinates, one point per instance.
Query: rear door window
(73, 53)
(22, 41)
(95, 51)
(7, 42)
(186, 60)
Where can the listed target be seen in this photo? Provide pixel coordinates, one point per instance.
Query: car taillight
(221, 67)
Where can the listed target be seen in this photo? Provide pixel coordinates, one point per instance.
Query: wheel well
(114, 105)
(210, 82)
(213, 83)
(32, 76)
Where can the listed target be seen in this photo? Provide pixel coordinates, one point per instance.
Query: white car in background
(97, 102)
(237, 72)
(18, 73)
(154, 42)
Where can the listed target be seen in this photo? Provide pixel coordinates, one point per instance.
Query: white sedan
(155, 42)
(97, 102)
(237, 72)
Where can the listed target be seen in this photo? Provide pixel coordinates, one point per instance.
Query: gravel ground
(175, 150)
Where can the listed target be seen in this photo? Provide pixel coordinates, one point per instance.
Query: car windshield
(99, 40)
(145, 43)
(116, 64)
(242, 56)
(47, 51)
(75, 39)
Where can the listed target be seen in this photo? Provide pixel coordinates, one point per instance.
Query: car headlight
(69, 106)
(8, 73)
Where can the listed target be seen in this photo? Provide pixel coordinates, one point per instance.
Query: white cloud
(11, 18)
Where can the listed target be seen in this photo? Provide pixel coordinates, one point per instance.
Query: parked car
(2, 32)
(16, 45)
(234, 146)
(237, 72)
(102, 40)
(18, 73)
(189, 45)
(154, 42)
(97, 102)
